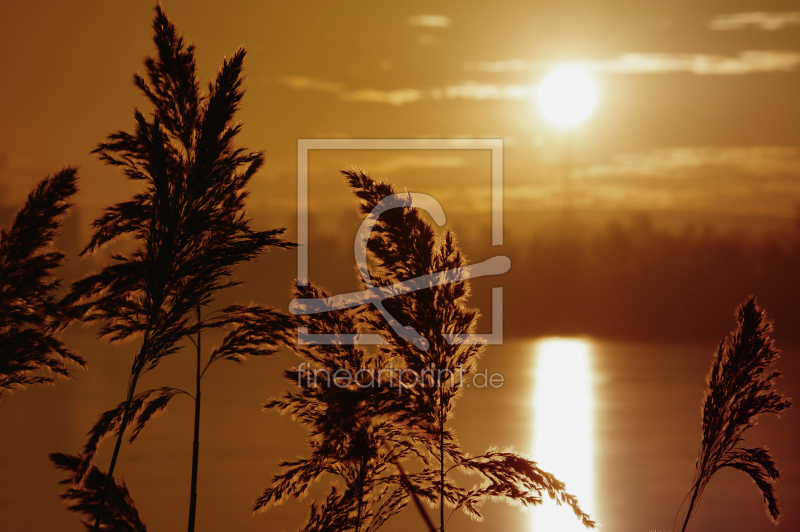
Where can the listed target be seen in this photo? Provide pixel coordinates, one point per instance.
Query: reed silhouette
(741, 387)
(31, 315)
(95, 492)
(369, 411)
(191, 230)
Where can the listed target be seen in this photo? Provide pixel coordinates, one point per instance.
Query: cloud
(757, 19)
(468, 90)
(745, 62)
(761, 181)
(711, 182)
(312, 84)
(680, 162)
(393, 97)
(429, 21)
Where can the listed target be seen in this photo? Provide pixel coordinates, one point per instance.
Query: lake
(619, 422)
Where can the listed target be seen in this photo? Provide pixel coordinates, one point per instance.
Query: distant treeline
(631, 281)
(626, 280)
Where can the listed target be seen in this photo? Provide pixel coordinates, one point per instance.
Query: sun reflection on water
(563, 427)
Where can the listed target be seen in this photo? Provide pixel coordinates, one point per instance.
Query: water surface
(634, 410)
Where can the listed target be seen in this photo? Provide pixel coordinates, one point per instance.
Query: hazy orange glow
(651, 182)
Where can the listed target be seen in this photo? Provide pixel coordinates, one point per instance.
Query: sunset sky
(648, 222)
(698, 119)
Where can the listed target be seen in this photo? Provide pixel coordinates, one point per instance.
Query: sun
(567, 96)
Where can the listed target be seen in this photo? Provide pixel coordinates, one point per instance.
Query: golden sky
(698, 117)
(697, 122)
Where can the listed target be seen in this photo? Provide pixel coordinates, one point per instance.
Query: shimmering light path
(563, 437)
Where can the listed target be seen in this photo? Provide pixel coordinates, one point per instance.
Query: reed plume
(191, 230)
(741, 387)
(120, 513)
(31, 315)
(348, 435)
(363, 429)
